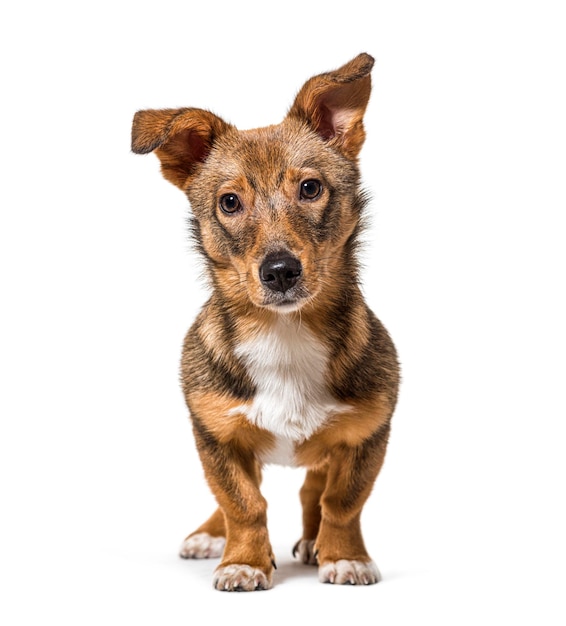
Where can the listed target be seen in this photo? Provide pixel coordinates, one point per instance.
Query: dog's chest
(287, 364)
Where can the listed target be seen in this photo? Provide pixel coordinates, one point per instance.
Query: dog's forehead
(269, 151)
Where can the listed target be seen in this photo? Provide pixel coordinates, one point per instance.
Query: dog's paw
(240, 578)
(306, 551)
(202, 546)
(345, 572)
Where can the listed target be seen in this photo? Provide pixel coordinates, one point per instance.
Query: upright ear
(333, 104)
(181, 138)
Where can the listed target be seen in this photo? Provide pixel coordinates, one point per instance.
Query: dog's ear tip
(366, 59)
(139, 145)
(137, 148)
(363, 64)
(144, 139)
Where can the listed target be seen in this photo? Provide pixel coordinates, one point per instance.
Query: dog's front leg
(340, 549)
(234, 477)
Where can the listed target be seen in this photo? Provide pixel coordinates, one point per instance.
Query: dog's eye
(230, 203)
(310, 189)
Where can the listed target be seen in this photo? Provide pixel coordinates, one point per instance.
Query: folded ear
(181, 138)
(333, 104)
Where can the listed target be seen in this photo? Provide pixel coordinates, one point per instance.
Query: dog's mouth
(284, 302)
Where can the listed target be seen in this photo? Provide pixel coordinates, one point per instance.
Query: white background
(465, 159)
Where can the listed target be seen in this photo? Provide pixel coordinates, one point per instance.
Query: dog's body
(285, 363)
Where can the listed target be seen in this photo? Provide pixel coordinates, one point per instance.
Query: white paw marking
(305, 550)
(202, 546)
(346, 572)
(240, 578)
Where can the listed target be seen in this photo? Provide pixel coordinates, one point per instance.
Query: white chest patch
(287, 364)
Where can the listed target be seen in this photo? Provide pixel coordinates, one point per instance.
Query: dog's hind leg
(208, 540)
(310, 494)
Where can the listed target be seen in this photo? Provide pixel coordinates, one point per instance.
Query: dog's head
(276, 209)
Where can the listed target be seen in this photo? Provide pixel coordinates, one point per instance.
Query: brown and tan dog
(285, 363)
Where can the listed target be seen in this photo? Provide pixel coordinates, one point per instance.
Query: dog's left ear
(333, 104)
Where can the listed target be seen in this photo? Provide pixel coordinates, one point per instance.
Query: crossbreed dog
(285, 363)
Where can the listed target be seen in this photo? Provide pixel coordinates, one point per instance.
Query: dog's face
(275, 209)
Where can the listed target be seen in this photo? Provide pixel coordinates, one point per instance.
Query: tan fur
(225, 421)
(277, 212)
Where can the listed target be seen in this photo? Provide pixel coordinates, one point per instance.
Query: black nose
(280, 271)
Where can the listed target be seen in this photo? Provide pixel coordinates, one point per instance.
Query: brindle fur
(320, 139)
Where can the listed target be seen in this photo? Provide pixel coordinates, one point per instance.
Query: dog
(285, 363)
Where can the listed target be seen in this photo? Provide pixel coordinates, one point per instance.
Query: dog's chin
(283, 305)
(286, 306)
